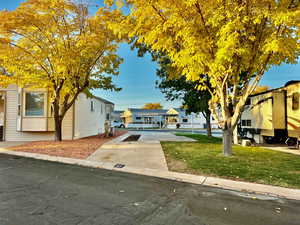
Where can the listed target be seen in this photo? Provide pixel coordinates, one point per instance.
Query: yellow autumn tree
(59, 46)
(233, 42)
(152, 106)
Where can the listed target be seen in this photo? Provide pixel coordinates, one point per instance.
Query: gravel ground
(79, 149)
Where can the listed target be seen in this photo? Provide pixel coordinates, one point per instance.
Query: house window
(295, 101)
(107, 116)
(101, 109)
(246, 123)
(34, 104)
(92, 106)
(184, 120)
(138, 118)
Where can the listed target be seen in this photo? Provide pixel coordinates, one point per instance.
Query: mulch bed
(79, 149)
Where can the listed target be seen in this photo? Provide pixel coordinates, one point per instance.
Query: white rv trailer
(273, 115)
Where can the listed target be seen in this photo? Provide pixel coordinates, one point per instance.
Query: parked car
(118, 124)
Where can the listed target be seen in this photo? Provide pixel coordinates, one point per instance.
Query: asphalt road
(34, 192)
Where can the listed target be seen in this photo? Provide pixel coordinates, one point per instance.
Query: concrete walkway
(144, 153)
(7, 144)
(284, 149)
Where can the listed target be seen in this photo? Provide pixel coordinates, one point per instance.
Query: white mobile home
(273, 115)
(164, 118)
(194, 120)
(27, 115)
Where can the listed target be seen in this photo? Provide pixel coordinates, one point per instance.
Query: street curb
(274, 191)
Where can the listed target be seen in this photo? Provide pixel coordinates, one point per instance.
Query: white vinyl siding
(87, 122)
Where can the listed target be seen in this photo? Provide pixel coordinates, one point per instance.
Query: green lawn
(251, 164)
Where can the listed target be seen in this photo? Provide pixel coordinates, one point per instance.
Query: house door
(2, 117)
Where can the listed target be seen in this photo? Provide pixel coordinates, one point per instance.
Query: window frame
(248, 123)
(45, 104)
(244, 123)
(248, 101)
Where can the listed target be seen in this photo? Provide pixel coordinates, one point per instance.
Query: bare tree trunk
(58, 129)
(57, 120)
(208, 127)
(227, 141)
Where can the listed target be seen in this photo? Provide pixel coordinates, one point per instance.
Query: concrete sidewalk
(283, 149)
(144, 153)
(7, 144)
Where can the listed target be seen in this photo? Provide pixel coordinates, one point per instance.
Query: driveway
(144, 153)
(37, 192)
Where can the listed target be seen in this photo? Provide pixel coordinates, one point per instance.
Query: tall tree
(233, 42)
(58, 45)
(152, 106)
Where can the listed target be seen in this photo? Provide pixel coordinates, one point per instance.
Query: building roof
(148, 111)
(118, 111)
(179, 110)
(103, 100)
(291, 82)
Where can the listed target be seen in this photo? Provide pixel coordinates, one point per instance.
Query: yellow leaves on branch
(232, 42)
(54, 42)
(229, 35)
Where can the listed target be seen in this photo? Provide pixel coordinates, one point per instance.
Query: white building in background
(165, 118)
(27, 115)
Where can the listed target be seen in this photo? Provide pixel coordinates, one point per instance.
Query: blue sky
(138, 75)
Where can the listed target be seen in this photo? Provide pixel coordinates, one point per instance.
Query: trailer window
(246, 123)
(243, 122)
(295, 101)
(248, 102)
